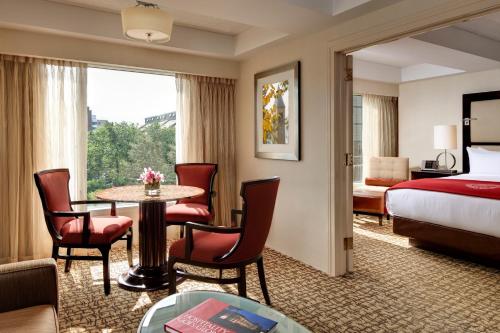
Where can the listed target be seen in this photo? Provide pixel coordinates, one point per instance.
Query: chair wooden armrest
(97, 202)
(190, 226)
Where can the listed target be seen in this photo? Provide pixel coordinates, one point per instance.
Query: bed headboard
(481, 122)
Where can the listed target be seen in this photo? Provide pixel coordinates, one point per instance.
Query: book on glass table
(214, 316)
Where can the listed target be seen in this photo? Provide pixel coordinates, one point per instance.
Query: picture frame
(277, 113)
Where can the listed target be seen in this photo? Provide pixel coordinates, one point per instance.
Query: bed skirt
(456, 242)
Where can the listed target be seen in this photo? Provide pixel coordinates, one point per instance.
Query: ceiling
(470, 46)
(182, 17)
(218, 28)
(487, 26)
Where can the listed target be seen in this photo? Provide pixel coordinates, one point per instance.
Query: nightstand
(419, 174)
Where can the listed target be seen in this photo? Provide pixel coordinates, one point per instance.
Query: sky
(116, 95)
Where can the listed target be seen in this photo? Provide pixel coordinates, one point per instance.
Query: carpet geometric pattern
(394, 288)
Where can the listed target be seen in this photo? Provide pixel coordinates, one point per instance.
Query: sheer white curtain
(65, 122)
(380, 127)
(205, 133)
(43, 118)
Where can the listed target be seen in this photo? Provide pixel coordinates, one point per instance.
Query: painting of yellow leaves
(275, 113)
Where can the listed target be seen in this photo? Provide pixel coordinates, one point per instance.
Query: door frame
(428, 16)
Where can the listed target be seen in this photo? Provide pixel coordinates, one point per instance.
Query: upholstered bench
(383, 172)
(369, 202)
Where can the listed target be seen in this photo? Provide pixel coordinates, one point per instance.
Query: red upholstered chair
(197, 209)
(228, 248)
(71, 229)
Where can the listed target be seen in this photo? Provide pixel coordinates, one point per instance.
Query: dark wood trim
(467, 100)
(457, 242)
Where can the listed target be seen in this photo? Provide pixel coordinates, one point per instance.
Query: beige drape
(380, 127)
(41, 107)
(205, 133)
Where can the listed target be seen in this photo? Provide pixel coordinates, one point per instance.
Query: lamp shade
(445, 137)
(150, 24)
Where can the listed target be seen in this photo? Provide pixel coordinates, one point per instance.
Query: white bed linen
(475, 214)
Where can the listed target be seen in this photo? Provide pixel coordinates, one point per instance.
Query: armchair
(29, 296)
(77, 229)
(228, 248)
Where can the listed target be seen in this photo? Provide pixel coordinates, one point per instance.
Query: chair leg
(242, 284)
(55, 252)
(172, 278)
(380, 220)
(67, 267)
(129, 246)
(220, 273)
(262, 280)
(181, 231)
(105, 270)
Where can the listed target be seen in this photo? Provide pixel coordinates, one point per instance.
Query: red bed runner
(472, 188)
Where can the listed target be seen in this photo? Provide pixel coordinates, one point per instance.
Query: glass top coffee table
(174, 305)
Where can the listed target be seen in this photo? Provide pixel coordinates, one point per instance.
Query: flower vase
(152, 190)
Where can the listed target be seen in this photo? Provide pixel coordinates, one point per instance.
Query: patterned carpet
(395, 288)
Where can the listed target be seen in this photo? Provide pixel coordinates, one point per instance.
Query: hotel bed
(474, 214)
(461, 213)
(452, 222)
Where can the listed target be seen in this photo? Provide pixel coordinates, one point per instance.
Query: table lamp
(445, 137)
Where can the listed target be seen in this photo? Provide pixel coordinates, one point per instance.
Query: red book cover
(213, 316)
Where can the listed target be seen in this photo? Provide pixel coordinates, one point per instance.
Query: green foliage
(118, 152)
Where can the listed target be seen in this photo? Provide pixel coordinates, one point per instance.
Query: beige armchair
(387, 171)
(29, 296)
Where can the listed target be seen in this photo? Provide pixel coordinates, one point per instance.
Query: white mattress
(475, 214)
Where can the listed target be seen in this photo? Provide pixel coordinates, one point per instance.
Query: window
(357, 146)
(131, 125)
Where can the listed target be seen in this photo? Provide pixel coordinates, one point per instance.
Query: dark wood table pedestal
(151, 272)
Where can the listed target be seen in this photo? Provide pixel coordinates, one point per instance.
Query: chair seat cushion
(207, 246)
(40, 318)
(103, 229)
(188, 212)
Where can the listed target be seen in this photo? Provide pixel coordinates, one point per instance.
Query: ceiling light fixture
(146, 21)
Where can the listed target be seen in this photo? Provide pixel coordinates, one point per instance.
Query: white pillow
(483, 161)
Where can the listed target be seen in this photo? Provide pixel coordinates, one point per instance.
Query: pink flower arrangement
(151, 177)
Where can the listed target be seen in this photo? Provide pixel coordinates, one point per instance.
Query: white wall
(425, 103)
(361, 86)
(300, 226)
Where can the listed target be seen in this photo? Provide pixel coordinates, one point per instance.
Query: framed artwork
(277, 113)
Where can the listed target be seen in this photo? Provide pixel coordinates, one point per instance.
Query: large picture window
(131, 125)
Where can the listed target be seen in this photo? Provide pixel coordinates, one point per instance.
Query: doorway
(341, 168)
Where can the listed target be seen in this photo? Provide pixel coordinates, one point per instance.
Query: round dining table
(151, 271)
